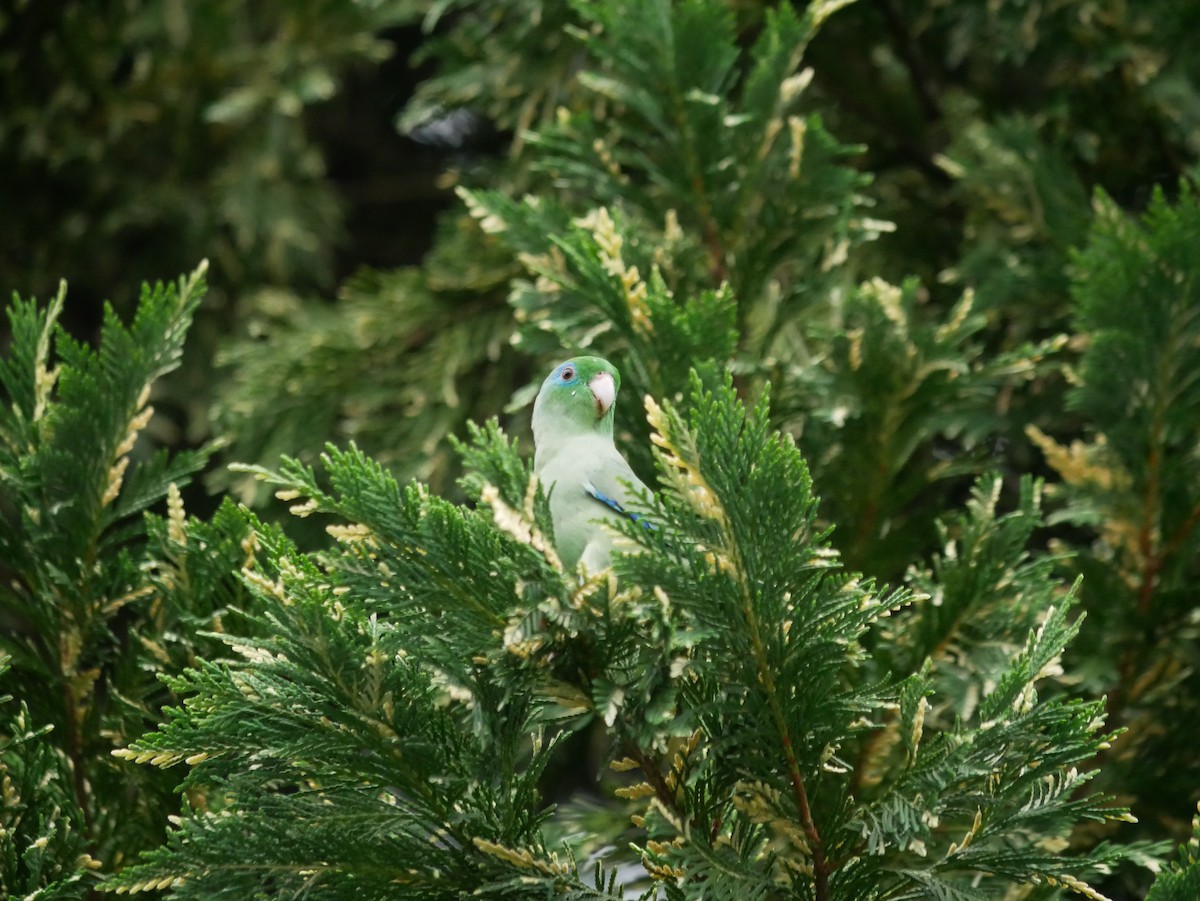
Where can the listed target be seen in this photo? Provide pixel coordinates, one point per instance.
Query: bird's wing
(612, 483)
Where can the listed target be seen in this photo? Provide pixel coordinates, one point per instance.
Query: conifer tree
(1181, 879)
(117, 119)
(845, 253)
(385, 733)
(84, 628)
(1133, 481)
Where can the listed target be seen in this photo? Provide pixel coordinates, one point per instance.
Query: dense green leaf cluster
(411, 685)
(83, 624)
(43, 849)
(117, 120)
(384, 367)
(1133, 478)
(1182, 879)
(930, 263)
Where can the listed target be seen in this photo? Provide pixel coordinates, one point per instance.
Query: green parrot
(588, 480)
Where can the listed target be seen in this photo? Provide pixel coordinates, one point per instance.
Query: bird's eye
(568, 373)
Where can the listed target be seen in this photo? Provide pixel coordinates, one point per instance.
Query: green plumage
(576, 459)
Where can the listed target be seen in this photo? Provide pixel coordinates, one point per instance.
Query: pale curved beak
(604, 389)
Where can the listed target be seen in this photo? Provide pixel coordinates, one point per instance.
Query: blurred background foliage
(936, 229)
(296, 146)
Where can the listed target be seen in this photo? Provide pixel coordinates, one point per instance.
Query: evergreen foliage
(43, 849)
(386, 366)
(415, 681)
(76, 593)
(520, 44)
(744, 260)
(932, 263)
(1134, 479)
(117, 118)
(1181, 880)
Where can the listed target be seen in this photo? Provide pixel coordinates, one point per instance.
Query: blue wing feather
(616, 505)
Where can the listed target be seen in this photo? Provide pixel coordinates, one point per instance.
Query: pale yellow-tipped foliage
(44, 378)
(1092, 466)
(683, 476)
(797, 129)
(1078, 886)
(521, 525)
(521, 857)
(609, 242)
(176, 516)
(116, 473)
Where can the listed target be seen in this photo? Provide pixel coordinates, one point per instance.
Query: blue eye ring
(566, 373)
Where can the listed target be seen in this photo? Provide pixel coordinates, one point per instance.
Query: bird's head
(576, 398)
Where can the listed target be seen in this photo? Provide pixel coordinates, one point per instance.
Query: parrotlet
(576, 461)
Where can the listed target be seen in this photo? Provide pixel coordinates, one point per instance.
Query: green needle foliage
(81, 631)
(762, 187)
(125, 115)
(699, 215)
(984, 592)
(1134, 481)
(43, 847)
(385, 735)
(387, 367)
(932, 263)
(520, 44)
(1181, 880)
(709, 156)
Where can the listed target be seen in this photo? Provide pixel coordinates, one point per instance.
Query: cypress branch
(419, 676)
(76, 554)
